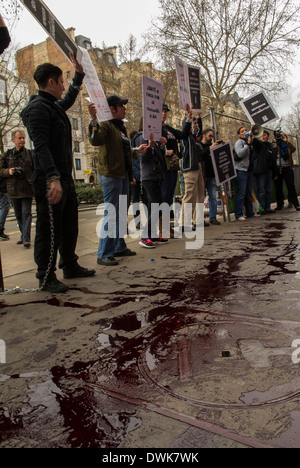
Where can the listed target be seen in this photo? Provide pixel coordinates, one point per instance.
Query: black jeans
(65, 215)
(287, 176)
(22, 208)
(154, 195)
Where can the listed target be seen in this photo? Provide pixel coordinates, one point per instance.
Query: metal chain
(18, 290)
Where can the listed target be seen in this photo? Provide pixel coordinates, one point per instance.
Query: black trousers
(154, 195)
(65, 216)
(287, 176)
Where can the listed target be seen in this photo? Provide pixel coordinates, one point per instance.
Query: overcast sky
(112, 22)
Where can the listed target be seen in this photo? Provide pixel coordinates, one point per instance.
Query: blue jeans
(211, 186)
(110, 240)
(4, 209)
(264, 189)
(22, 207)
(244, 194)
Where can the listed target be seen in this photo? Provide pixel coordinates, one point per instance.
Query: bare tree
(239, 44)
(13, 97)
(292, 120)
(10, 10)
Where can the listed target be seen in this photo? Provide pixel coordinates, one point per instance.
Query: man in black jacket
(50, 130)
(264, 171)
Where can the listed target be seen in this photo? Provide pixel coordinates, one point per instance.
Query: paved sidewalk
(173, 348)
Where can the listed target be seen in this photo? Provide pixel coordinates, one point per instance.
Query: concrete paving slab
(172, 348)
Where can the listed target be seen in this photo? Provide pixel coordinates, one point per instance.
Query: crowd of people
(149, 168)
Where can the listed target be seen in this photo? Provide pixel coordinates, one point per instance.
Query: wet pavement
(174, 348)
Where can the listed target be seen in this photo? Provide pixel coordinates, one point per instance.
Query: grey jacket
(243, 151)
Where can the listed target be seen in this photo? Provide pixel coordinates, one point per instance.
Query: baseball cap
(166, 107)
(116, 101)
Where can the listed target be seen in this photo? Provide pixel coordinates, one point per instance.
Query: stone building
(124, 80)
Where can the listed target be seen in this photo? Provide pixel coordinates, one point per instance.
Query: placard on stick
(189, 85)
(152, 108)
(53, 27)
(223, 162)
(259, 110)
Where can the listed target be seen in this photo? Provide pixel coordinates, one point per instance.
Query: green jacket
(111, 159)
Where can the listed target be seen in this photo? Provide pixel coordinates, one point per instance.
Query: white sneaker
(241, 218)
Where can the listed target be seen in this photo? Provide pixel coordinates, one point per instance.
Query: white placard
(189, 85)
(94, 88)
(183, 83)
(152, 108)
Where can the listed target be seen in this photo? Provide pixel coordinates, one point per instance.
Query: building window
(76, 147)
(78, 164)
(75, 124)
(3, 92)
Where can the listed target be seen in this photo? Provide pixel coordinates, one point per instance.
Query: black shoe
(3, 236)
(215, 222)
(110, 261)
(54, 286)
(297, 208)
(125, 253)
(78, 272)
(27, 245)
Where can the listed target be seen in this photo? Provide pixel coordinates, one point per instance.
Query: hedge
(90, 194)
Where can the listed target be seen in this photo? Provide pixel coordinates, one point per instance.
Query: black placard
(223, 162)
(52, 26)
(259, 110)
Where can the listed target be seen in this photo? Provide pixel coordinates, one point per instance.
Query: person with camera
(283, 151)
(17, 167)
(206, 143)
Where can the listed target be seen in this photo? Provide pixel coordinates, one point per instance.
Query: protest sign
(94, 88)
(195, 88)
(189, 85)
(152, 108)
(52, 26)
(259, 110)
(223, 162)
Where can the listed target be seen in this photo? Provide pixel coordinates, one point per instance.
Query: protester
(264, 171)
(137, 189)
(209, 173)
(283, 151)
(153, 169)
(17, 166)
(114, 174)
(50, 130)
(4, 36)
(172, 135)
(191, 166)
(244, 167)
